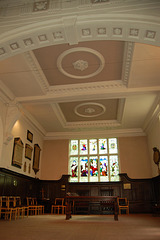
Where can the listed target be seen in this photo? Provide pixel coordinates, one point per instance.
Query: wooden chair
(58, 207)
(7, 208)
(20, 208)
(5, 211)
(40, 208)
(13, 207)
(123, 204)
(32, 208)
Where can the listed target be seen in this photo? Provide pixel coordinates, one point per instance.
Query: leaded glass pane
(113, 145)
(84, 169)
(93, 163)
(83, 147)
(94, 160)
(114, 168)
(74, 147)
(93, 146)
(104, 168)
(74, 169)
(102, 146)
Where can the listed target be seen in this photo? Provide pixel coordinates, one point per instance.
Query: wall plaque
(36, 158)
(28, 151)
(17, 153)
(29, 136)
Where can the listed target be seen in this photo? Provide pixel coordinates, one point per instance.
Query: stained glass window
(94, 160)
(93, 146)
(113, 145)
(93, 167)
(74, 147)
(84, 169)
(74, 169)
(114, 167)
(83, 147)
(104, 168)
(102, 146)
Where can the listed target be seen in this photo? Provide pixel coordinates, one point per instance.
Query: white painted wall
(6, 147)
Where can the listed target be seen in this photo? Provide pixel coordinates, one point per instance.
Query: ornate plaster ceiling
(74, 75)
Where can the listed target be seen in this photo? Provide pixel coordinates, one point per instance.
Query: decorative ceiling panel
(85, 62)
(90, 111)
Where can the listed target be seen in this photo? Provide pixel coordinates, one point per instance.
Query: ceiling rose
(80, 64)
(89, 109)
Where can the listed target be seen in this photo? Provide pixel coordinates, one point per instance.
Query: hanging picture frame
(29, 136)
(28, 151)
(17, 153)
(36, 158)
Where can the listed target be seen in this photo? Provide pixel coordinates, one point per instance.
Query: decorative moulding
(38, 73)
(83, 124)
(13, 114)
(89, 87)
(6, 95)
(54, 31)
(153, 115)
(89, 109)
(127, 60)
(98, 134)
(40, 5)
(32, 122)
(13, 8)
(80, 65)
(80, 49)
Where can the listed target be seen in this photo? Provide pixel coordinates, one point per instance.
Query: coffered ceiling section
(82, 114)
(94, 85)
(85, 62)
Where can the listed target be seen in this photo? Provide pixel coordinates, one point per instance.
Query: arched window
(94, 160)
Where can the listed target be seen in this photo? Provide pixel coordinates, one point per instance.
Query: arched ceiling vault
(76, 71)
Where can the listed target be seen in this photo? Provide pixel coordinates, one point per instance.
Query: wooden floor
(86, 227)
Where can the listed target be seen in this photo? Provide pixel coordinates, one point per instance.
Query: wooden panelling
(142, 195)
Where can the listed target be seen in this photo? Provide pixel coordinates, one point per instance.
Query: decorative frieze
(117, 31)
(42, 38)
(2, 51)
(58, 35)
(101, 31)
(28, 42)
(34, 66)
(86, 32)
(14, 46)
(150, 34)
(40, 6)
(134, 32)
(99, 1)
(75, 33)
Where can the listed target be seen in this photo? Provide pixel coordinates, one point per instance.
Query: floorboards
(86, 227)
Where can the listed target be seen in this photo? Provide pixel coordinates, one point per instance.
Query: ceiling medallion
(80, 65)
(89, 109)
